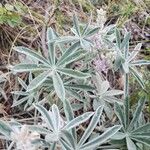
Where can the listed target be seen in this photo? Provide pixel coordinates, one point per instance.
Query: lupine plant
(69, 82)
(51, 67)
(133, 131)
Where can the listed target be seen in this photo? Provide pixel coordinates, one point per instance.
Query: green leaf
(113, 92)
(135, 52)
(125, 40)
(141, 135)
(76, 24)
(73, 73)
(70, 55)
(66, 39)
(70, 139)
(118, 38)
(29, 67)
(130, 144)
(137, 77)
(142, 129)
(101, 139)
(58, 86)
(69, 114)
(80, 87)
(137, 113)
(5, 129)
(22, 83)
(56, 118)
(125, 44)
(84, 32)
(120, 114)
(118, 136)
(20, 93)
(92, 31)
(78, 120)
(145, 141)
(65, 145)
(20, 101)
(140, 62)
(51, 35)
(104, 87)
(53, 146)
(125, 67)
(39, 129)
(86, 44)
(74, 94)
(31, 53)
(37, 81)
(45, 115)
(118, 62)
(91, 126)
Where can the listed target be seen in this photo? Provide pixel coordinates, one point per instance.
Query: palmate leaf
(58, 86)
(101, 139)
(73, 73)
(81, 35)
(31, 53)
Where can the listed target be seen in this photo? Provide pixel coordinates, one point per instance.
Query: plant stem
(126, 100)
